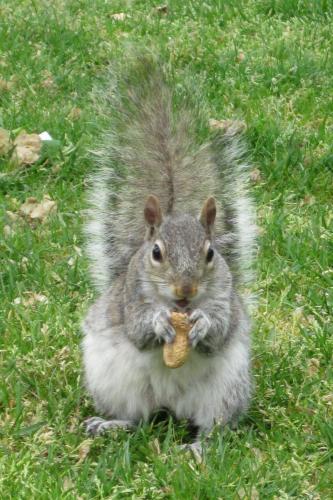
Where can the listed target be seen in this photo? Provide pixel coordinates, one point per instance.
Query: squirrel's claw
(162, 326)
(95, 426)
(200, 328)
(195, 449)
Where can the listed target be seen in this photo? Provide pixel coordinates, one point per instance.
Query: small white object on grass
(45, 136)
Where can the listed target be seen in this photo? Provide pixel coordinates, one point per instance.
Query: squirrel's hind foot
(195, 448)
(95, 426)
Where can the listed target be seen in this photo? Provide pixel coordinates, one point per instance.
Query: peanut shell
(175, 354)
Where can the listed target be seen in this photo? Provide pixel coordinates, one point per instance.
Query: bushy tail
(237, 239)
(150, 146)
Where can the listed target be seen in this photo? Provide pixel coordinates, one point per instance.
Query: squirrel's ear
(208, 214)
(152, 211)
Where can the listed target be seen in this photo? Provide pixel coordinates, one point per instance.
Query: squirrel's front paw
(162, 326)
(200, 328)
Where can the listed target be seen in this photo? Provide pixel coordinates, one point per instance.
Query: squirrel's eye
(156, 253)
(210, 254)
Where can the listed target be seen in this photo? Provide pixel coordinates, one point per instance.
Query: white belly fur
(131, 384)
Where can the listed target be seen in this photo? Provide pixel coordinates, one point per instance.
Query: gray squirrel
(171, 228)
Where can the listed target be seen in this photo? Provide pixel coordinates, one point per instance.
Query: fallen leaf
(5, 142)
(27, 207)
(118, 17)
(24, 156)
(30, 299)
(32, 141)
(83, 450)
(40, 211)
(27, 149)
(43, 209)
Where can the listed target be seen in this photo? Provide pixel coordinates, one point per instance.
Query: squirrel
(170, 228)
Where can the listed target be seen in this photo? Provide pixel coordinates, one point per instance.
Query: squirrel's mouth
(182, 303)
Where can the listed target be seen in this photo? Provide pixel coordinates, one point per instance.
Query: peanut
(175, 354)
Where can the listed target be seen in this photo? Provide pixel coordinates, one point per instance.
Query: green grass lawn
(266, 62)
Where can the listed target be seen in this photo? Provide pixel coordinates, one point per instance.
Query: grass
(267, 62)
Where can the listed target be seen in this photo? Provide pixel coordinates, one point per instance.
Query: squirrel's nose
(186, 289)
